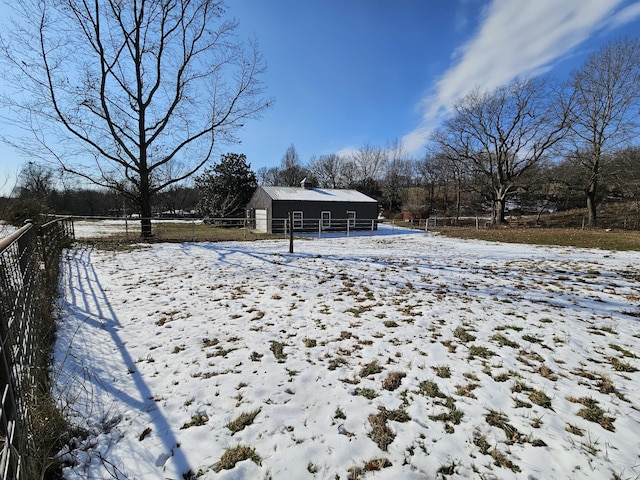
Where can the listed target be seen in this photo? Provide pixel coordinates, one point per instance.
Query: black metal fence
(29, 265)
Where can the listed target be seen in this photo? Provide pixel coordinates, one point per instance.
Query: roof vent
(306, 183)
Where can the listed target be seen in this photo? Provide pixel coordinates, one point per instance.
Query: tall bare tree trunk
(591, 202)
(499, 211)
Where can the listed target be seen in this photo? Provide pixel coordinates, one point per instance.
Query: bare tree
(135, 86)
(625, 179)
(370, 162)
(268, 175)
(291, 171)
(328, 171)
(500, 135)
(439, 174)
(397, 177)
(606, 95)
(36, 180)
(349, 171)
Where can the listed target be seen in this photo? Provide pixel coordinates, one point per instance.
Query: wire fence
(29, 265)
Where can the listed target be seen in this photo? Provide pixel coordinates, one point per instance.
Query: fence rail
(29, 261)
(198, 229)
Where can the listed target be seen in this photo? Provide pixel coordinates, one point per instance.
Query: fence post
(290, 217)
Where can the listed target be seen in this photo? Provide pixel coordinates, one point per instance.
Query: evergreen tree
(227, 187)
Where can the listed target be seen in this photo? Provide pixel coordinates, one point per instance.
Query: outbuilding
(312, 209)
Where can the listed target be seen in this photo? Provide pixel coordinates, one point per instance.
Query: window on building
(297, 220)
(326, 219)
(351, 217)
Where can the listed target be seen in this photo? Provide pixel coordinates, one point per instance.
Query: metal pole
(290, 232)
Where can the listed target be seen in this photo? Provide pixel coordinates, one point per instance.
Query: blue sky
(347, 73)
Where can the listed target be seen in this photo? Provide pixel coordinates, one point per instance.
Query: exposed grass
(453, 416)
(370, 369)
(540, 398)
(368, 393)
(255, 356)
(377, 464)
(243, 420)
(197, 420)
(500, 420)
(431, 389)
(339, 414)
(393, 380)
(463, 335)
(177, 232)
(442, 371)
(237, 454)
(380, 433)
(480, 351)
(623, 351)
(336, 362)
(502, 341)
(310, 342)
(277, 348)
(593, 412)
(591, 238)
(547, 373)
(575, 430)
(499, 458)
(620, 366)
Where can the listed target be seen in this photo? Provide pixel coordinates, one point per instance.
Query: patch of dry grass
(237, 454)
(592, 412)
(241, 421)
(381, 433)
(393, 380)
(370, 369)
(592, 238)
(277, 348)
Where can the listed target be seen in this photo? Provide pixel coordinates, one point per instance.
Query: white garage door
(261, 219)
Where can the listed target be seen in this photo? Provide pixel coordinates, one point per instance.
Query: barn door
(261, 220)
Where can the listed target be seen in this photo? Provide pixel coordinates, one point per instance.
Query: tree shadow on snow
(89, 351)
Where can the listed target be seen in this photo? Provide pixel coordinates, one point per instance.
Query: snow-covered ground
(389, 356)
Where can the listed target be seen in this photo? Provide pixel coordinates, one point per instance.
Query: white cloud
(625, 15)
(514, 39)
(347, 151)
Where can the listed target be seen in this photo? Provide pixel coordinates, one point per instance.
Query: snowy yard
(400, 356)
